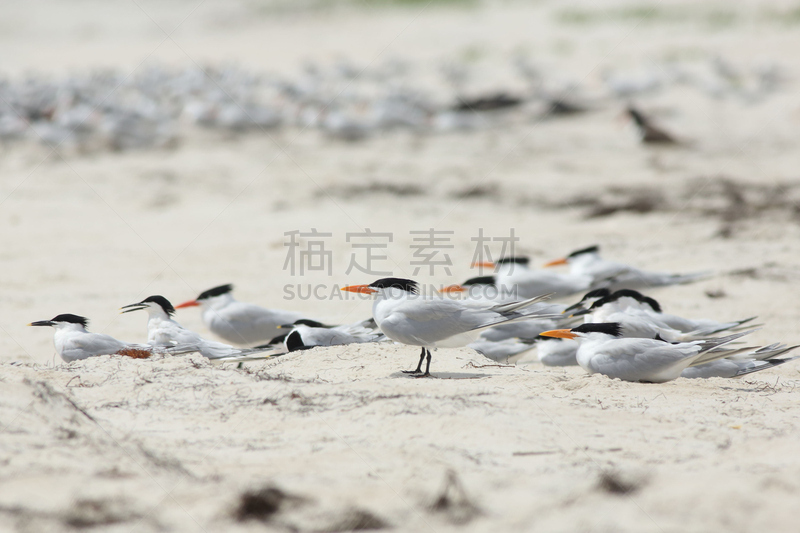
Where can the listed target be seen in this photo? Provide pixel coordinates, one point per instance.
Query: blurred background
(167, 147)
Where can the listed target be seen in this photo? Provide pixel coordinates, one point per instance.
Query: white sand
(170, 444)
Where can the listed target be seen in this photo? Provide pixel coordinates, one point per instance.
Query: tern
(407, 317)
(239, 322)
(74, 342)
(513, 276)
(639, 316)
(484, 289)
(602, 350)
(639, 307)
(614, 276)
(163, 331)
(307, 334)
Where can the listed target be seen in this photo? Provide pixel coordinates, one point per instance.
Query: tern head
(154, 305)
(479, 281)
(582, 307)
(209, 296)
(64, 321)
(515, 260)
(606, 329)
(386, 286)
(584, 254)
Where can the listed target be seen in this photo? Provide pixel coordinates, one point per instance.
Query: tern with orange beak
(239, 322)
(432, 321)
(642, 316)
(602, 350)
(614, 276)
(513, 276)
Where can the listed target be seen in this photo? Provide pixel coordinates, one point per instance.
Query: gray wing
(642, 360)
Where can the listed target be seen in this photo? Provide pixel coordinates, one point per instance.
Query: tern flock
(613, 329)
(155, 107)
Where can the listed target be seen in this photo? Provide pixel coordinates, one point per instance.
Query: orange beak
(190, 303)
(562, 261)
(363, 289)
(485, 264)
(454, 288)
(559, 333)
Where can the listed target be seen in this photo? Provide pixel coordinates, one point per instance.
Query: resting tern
(513, 275)
(639, 316)
(637, 306)
(306, 334)
(239, 322)
(407, 317)
(484, 289)
(73, 341)
(602, 350)
(615, 276)
(162, 330)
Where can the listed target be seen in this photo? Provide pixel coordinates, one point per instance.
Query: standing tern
(73, 341)
(614, 276)
(407, 317)
(239, 322)
(603, 351)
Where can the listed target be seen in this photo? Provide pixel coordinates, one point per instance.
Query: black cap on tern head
(609, 328)
(589, 250)
(163, 302)
(74, 319)
(480, 280)
(216, 291)
(628, 293)
(597, 293)
(638, 296)
(581, 310)
(396, 283)
(310, 323)
(519, 260)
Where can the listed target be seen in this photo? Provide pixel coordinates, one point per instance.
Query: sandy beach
(338, 439)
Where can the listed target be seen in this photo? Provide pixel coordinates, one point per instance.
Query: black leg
(427, 373)
(419, 366)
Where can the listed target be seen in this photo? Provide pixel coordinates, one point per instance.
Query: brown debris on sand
(134, 353)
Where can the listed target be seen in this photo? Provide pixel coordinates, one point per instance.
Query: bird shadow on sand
(444, 375)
